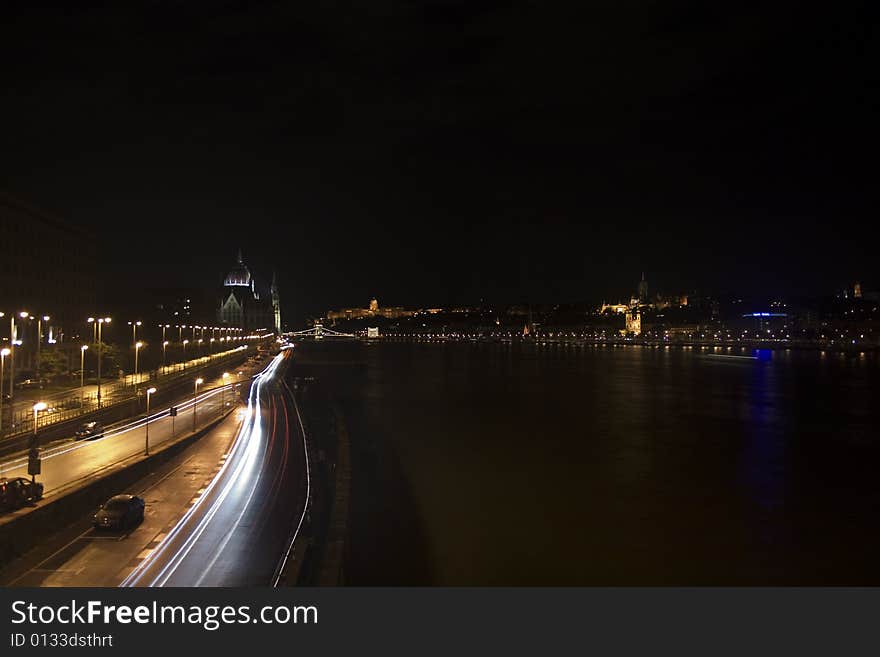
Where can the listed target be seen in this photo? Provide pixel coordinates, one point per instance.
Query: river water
(524, 464)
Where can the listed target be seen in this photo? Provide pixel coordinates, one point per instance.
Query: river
(522, 464)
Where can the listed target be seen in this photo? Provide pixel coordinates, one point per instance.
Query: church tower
(643, 290)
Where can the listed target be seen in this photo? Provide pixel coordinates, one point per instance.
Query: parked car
(119, 512)
(18, 491)
(90, 431)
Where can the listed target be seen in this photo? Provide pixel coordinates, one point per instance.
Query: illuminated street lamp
(225, 379)
(99, 323)
(3, 354)
(82, 374)
(39, 406)
(199, 382)
(137, 348)
(40, 320)
(185, 342)
(134, 328)
(13, 335)
(150, 391)
(164, 345)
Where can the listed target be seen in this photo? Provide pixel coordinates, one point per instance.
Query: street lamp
(39, 406)
(12, 343)
(199, 382)
(82, 374)
(134, 328)
(3, 354)
(225, 379)
(99, 323)
(137, 348)
(164, 345)
(150, 391)
(185, 342)
(40, 320)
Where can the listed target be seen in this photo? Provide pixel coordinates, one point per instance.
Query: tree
(109, 358)
(53, 362)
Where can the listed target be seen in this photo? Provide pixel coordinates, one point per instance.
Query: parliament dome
(238, 276)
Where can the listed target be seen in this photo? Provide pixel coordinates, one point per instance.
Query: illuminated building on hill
(373, 310)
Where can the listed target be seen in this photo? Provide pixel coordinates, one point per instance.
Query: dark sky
(440, 152)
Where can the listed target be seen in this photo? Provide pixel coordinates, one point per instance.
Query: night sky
(442, 152)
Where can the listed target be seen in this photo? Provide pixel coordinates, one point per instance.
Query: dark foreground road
(221, 514)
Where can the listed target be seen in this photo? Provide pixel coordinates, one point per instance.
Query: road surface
(240, 527)
(65, 463)
(220, 514)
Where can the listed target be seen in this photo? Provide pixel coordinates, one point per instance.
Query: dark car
(16, 492)
(90, 431)
(119, 512)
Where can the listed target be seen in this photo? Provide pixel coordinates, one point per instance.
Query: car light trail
(292, 541)
(238, 472)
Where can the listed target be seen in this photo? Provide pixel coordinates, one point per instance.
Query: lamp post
(211, 345)
(82, 374)
(137, 348)
(40, 320)
(134, 328)
(164, 346)
(39, 406)
(3, 354)
(12, 343)
(200, 346)
(199, 381)
(223, 394)
(185, 342)
(150, 391)
(99, 323)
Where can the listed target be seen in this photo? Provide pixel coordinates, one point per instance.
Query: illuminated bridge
(319, 331)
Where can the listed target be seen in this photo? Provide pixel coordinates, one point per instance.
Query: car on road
(18, 491)
(90, 431)
(120, 512)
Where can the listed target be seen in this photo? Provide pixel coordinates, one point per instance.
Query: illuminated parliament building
(243, 304)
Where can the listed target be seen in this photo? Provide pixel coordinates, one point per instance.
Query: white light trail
(240, 462)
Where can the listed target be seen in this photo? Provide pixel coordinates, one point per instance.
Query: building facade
(48, 267)
(373, 310)
(245, 305)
